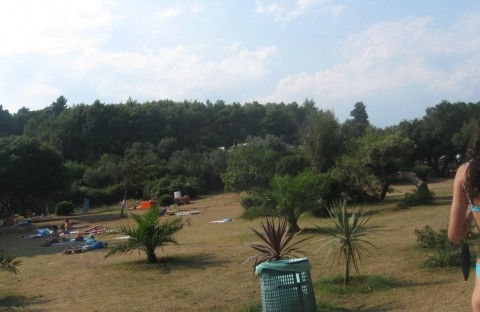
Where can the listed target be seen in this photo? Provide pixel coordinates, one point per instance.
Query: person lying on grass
(85, 248)
(55, 237)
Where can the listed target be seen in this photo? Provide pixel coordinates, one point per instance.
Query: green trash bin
(286, 286)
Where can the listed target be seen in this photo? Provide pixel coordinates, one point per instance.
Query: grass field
(202, 272)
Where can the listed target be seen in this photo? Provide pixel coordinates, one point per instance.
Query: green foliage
(258, 204)
(291, 164)
(9, 264)
(321, 140)
(165, 200)
(149, 234)
(346, 237)
(31, 172)
(104, 196)
(385, 152)
(170, 184)
(103, 175)
(416, 198)
(75, 170)
(64, 208)
(252, 200)
(327, 191)
(423, 171)
(296, 195)
(249, 166)
(276, 243)
(356, 180)
(357, 126)
(253, 307)
(441, 252)
(428, 239)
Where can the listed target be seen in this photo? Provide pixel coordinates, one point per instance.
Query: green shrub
(328, 192)
(426, 238)
(64, 208)
(104, 196)
(169, 185)
(417, 198)
(447, 255)
(165, 200)
(442, 253)
(422, 171)
(252, 201)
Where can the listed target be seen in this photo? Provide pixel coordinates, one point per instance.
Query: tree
(346, 237)
(30, 172)
(58, 106)
(436, 133)
(386, 154)
(294, 196)
(249, 166)
(149, 234)
(6, 122)
(321, 140)
(359, 124)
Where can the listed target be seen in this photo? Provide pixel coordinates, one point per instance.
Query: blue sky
(398, 57)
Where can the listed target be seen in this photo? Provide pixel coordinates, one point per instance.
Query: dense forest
(107, 152)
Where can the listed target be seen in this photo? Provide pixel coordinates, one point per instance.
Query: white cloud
(284, 11)
(179, 9)
(395, 55)
(168, 73)
(52, 26)
(168, 14)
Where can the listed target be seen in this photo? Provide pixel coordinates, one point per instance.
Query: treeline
(147, 150)
(84, 133)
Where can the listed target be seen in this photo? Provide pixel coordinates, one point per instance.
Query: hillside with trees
(105, 152)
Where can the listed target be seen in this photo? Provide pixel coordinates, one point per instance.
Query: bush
(443, 253)
(251, 201)
(423, 171)
(417, 198)
(169, 185)
(165, 200)
(426, 238)
(64, 208)
(104, 196)
(328, 192)
(293, 165)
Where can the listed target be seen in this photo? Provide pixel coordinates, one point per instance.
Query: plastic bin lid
(289, 265)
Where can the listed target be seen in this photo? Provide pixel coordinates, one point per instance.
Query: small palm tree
(277, 243)
(9, 264)
(294, 196)
(149, 234)
(346, 237)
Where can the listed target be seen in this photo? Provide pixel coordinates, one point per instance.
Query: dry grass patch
(203, 273)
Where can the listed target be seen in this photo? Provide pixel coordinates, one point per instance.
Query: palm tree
(346, 237)
(293, 196)
(276, 242)
(149, 234)
(9, 264)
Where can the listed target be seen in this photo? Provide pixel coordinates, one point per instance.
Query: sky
(398, 57)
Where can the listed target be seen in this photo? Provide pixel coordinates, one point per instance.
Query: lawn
(203, 272)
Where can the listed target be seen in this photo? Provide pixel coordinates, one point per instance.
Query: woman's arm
(460, 216)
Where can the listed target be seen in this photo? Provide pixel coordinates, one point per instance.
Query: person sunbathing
(55, 237)
(85, 248)
(66, 227)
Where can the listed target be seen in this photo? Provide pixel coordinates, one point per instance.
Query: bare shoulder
(462, 169)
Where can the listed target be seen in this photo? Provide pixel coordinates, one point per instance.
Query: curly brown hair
(472, 177)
